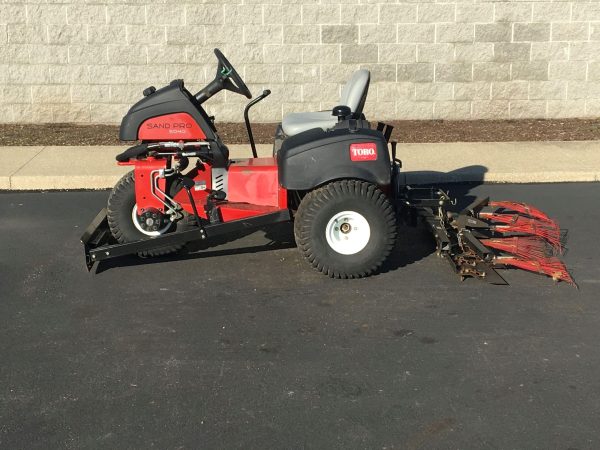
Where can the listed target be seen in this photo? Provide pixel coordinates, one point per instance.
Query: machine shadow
(413, 244)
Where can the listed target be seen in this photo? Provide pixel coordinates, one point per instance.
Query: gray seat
(353, 95)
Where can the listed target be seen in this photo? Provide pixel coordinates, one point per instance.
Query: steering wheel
(231, 79)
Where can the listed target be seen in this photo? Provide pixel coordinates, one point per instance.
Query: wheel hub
(348, 232)
(151, 221)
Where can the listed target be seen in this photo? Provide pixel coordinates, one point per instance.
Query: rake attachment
(491, 235)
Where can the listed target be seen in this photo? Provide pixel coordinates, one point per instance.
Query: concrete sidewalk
(45, 168)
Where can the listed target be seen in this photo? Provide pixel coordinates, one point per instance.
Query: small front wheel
(126, 225)
(346, 229)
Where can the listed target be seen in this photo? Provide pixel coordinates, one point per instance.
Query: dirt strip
(405, 131)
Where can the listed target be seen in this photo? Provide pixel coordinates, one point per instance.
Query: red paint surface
(170, 127)
(255, 181)
(363, 151)
(143, 182)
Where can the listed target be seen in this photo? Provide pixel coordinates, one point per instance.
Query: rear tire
(345, 229)
(121, 207)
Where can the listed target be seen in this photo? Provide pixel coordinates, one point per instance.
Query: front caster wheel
(127, 226)
(345, 229)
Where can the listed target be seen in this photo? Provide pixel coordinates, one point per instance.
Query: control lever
(212, 212)
(265, 94)
(188, 184)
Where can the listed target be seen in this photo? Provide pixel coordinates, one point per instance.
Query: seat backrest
(354, 93)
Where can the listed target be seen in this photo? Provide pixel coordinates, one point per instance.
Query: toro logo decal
(363, 151)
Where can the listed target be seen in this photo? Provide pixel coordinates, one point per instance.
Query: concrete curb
(57, 168)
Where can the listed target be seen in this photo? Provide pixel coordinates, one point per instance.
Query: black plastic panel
(173, 98)
(312, 158)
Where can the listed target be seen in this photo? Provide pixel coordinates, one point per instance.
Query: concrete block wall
(88, 61)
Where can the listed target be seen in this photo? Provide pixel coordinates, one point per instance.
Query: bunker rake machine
(332, 173)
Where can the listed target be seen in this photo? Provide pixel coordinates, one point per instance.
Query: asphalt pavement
(245, 346)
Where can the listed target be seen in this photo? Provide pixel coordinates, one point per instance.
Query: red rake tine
(523, 247)
(513, 223)
(522, 208)
(552, 267)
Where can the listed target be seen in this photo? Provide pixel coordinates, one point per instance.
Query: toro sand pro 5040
(332, 173)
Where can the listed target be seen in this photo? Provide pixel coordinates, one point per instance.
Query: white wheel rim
(348, 232)
(136, 223)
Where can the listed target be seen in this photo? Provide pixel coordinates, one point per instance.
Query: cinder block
(359, 53)
(146, 34)
(435, 53)
(594, 71)
(167, 54)
(14, 54)
(578, 31)
(381, 72)
(418, 73)
(476, 52)
(106, 34)
(506, 52)
(549, 51)
(125, 14)
(46, 14)
(475, 13)
(529, 32)
(225, 34)
(395, 91)
(321, 14)
(512, 12)
(534, 70)
(401, 13)
(15, 94)
(27, 74)
(552, 12)
(108, 74)
(287, 14)
(339, 34)
(592, 108)
(433, 91)
(358, 14)
(565, 108)
(50, 54)
(416, 32)
(584, 51)
(321, 54)
(264, 34)
(128, 54)
(68, 74)
(436, 12)
(527, 109)
(510, 90)
(414, 110)
(247, 54)
(577, 90)
(71, 113)
(303, 34)
(492, 109)
(374, 34)
(88, 54)
(586, 11)
(243, 14)
(108, 113)
(491, 71)
(203, 15)
(381, 110)
(333, 73)
(397, 53)
(454, 72)
(66, 34)
(13, 13)
(567, 70)
(477, 90)
(548, 90)
(86, 14)
(36, 113)
(282, 54)
(185, 34)
(492, 32)
(293, 73)
(90, 93)
(50, 94)
(321, 92)
(26, 34)
(455, 110)
(455, 32)
(148, 74)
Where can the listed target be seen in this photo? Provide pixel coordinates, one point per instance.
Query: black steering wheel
(229, 76)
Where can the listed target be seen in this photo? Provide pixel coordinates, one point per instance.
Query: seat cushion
(295, 123)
